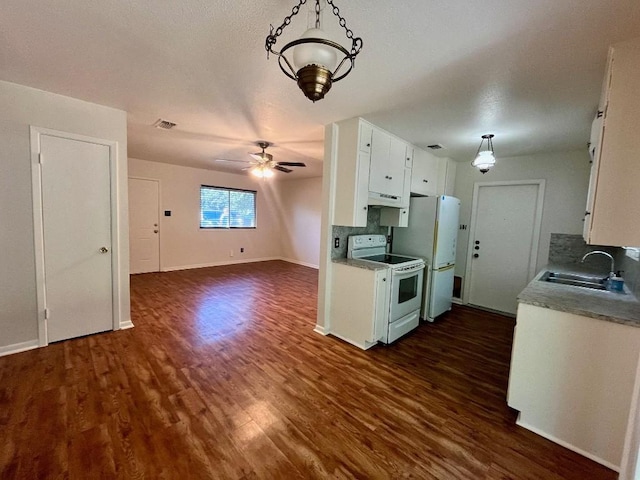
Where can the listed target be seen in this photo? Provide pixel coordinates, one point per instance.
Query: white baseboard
(218, 264)
(321, 330)
(571, 447)
(126, 325)
(18, 347)
(298, 262)
(456, 300)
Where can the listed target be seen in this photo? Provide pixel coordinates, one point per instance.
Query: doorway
(503, 242)
(144, 230)
(75, 232)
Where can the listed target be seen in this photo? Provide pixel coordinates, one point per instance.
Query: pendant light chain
(356, 43)
(271, 38)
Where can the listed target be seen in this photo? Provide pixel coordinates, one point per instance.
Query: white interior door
(144, 236)
(76, 227)
(503, 243)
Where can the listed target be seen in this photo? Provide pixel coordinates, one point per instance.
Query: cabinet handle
(384, 279)
(600, 113)
(425, 181)
(364, 208)
(404, 211)
(368, 144)
(587, 213)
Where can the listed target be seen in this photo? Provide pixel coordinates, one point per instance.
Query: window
(227, 208)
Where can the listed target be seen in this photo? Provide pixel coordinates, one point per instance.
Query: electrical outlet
(241, 249)
(336, 242)
(231, 253)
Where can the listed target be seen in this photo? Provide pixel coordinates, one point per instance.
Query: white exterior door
(144, 236)
(76, 227)
(503, 243)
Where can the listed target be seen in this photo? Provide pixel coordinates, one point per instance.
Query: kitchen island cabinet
(613, 202)
(573, 367)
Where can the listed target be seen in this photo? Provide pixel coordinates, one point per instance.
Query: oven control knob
(475, 255)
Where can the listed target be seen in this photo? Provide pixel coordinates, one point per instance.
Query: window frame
(229, 190)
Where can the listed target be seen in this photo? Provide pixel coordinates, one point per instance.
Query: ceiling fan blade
(282, 169)
(292, 164)
(231, 161)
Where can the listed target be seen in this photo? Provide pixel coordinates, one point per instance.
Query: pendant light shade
(485, 159)
(316, 61)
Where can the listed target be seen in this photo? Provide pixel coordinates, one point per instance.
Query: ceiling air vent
(435, 146)
(164, 124)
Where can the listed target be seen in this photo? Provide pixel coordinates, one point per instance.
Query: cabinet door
(425, 173)
(616, 201)
(386, 175)
(396, 165)
(409, 157)
(381, 316)
(379, 171)
(362, 190)
(364, 140)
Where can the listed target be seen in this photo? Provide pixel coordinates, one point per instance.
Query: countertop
(600, 304)
(367, 265)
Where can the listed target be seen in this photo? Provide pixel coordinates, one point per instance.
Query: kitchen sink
(585, 281)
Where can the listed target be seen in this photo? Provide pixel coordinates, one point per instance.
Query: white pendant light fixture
(485, 159)
(317, 62)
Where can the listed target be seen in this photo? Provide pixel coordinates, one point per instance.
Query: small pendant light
(485, 159)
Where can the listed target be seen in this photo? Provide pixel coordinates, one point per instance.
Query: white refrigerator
(432, 234)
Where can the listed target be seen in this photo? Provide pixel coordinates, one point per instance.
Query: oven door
(406, 291)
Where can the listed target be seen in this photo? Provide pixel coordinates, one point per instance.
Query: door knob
(103, 250)
(475, 255)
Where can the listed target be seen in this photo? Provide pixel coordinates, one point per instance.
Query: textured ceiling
(431, 71)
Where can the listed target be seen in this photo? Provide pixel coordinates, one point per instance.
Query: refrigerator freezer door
(446, 232)
(441, 292)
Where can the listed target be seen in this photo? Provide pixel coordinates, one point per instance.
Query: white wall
(300, 211)
(21, 107)
(567, 180)
(183, 244)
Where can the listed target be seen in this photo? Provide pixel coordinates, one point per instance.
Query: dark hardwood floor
(223, 378)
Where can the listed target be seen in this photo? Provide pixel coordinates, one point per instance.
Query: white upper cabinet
(370, 167)
(613, 204)
(350, 154)
(426, 173)
(386, 175)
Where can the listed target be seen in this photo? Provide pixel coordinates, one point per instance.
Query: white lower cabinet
(359, 312)
(572, 380)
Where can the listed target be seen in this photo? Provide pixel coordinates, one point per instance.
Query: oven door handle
(410, 271)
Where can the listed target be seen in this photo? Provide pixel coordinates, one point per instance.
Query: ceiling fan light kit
(314, 56)
(485, 159)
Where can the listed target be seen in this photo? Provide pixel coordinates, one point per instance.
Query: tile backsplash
(343, 233)
(567, 249)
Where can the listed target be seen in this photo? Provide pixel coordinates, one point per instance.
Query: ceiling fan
(262, 163)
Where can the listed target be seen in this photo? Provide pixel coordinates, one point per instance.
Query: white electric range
(406, 282)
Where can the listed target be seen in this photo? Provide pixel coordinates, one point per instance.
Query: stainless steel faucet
(612, 272)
